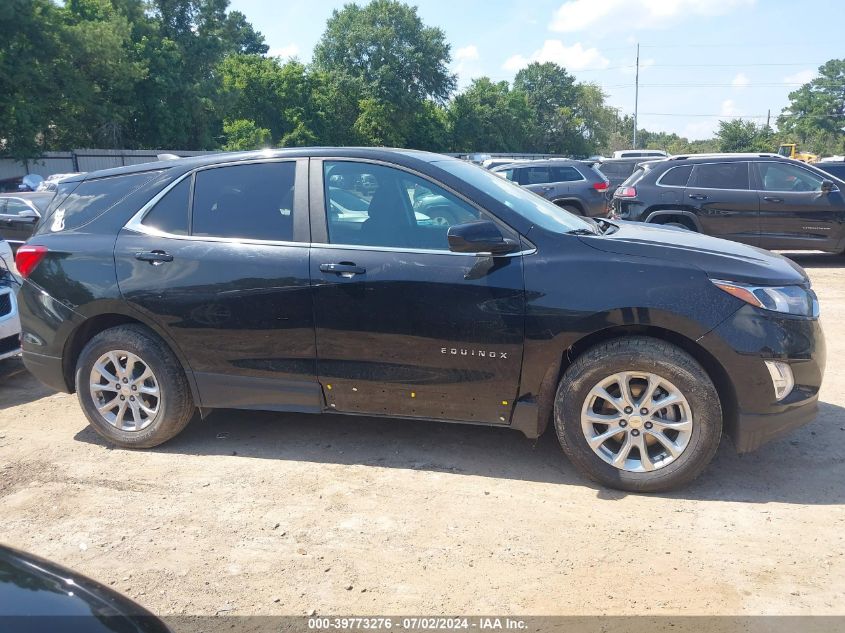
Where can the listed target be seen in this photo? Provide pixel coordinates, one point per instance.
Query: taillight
(626, 192)
(601, 185)
(28, 257)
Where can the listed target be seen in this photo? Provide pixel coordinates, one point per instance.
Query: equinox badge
(481, 353)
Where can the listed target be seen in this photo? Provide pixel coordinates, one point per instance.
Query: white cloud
(579, 15)
(291, 50)
(574, 57)
(729, 109)
(467, 53)
(740, 81)
(801, 77)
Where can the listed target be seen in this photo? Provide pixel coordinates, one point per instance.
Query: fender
(664, 212)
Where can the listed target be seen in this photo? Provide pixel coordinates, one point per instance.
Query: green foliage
(244, 134)
(191, 74)
(815, 117)
(744, 136)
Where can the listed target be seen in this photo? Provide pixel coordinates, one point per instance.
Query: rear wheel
(638, 414)
(132, 388)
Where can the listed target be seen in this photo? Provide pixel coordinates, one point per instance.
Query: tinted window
(634, 177)
(837, 171)
(92, 198)
(721, 176)
(170, 214)
(245, 201)
(783, 177)
(676, 177)
(15, 207)
(508, 173)
(535, 175)
(617, 171)
(565, 174)
(397, 209)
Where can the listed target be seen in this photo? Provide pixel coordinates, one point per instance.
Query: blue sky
(700, 60)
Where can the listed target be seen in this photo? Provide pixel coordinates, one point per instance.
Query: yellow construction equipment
(790, 150)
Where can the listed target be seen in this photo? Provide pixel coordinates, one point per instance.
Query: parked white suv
(10, 324)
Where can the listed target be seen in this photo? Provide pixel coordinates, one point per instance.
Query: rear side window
(565, 174)
(535, 175)
(837, 171)
(245, 201)
(720, 176)
(676, 177)
(634, 178)
(92, 198)
(170, 214)
(617, 170)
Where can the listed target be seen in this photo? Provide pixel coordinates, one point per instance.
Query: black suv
(571, 184)
(760, 199)
(247, 281)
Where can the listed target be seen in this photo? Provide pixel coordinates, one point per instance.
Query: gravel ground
(253, 513)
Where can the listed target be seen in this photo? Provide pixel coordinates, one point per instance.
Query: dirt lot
(252, 513)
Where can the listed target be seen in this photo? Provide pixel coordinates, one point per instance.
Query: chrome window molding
(663, 175)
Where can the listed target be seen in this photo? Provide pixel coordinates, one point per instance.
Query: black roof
(400, 156)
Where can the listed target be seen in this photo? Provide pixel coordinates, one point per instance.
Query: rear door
(220, 264)
(18, 220)
(794, 213)
(721, 196)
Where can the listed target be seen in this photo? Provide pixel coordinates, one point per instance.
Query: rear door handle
(698, 196)
(154, 257)
(772, 199)
(343, 269)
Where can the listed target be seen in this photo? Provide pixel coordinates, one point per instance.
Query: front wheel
(638, 414)
(132, 388)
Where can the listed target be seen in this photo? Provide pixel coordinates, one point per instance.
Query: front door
(220, 265)
(404, 326)
(794, 212)
(721, 196)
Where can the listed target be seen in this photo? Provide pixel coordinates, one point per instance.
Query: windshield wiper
(581, 232)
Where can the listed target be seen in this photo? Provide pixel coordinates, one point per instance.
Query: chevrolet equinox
(274, 280)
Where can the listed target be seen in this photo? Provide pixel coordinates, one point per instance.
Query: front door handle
(154, 257)
(772, 199)
(343, 269)
(698, 196)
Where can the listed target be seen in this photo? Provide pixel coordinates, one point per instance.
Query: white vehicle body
(640, 153)
(10, 323)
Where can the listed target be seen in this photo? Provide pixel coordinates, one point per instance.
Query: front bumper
(741, 344)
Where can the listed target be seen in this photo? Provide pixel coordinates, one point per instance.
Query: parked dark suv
(244, 281)
(760, 199)
(571, 184)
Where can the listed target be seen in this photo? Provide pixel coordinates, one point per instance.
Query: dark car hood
(720, 259)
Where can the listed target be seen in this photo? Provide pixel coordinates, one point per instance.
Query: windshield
(532, 207)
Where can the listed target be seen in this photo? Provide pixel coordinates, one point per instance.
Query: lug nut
(132, 398)
(117, 386)
(623, 423)
(628, 409)
(643, 411)
(648, 425)
(123, 397)
(125, 380)
(635, 432)
(134, 388)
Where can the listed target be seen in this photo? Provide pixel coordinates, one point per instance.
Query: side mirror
(479, 237)
(828, 186)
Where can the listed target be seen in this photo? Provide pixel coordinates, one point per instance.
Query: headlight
(787, 299)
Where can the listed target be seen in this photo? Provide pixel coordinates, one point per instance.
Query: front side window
(720, 176)
(782, 177)
(245, 201)
(395, 209)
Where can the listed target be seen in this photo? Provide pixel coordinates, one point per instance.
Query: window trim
(723, 162)
(759, 175)
(136, 224)
(319, 215)
(551, 182)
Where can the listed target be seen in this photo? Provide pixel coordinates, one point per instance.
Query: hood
(718, 258)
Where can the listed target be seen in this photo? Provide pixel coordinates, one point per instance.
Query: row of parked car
(762, 199)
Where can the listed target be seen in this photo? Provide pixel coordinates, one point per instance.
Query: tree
(815, 116)
(490, 117)
(243, 134)
(737, 135)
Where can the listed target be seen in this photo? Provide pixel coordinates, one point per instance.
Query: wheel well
(571, 203)
(720, 378)
(680, 219)
(84, 333)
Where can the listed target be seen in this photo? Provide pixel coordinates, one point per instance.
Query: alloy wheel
(636, 421)
(125, 390)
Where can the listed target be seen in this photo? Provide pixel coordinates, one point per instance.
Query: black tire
(639, 354)
(175, 406)
(572, 209)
